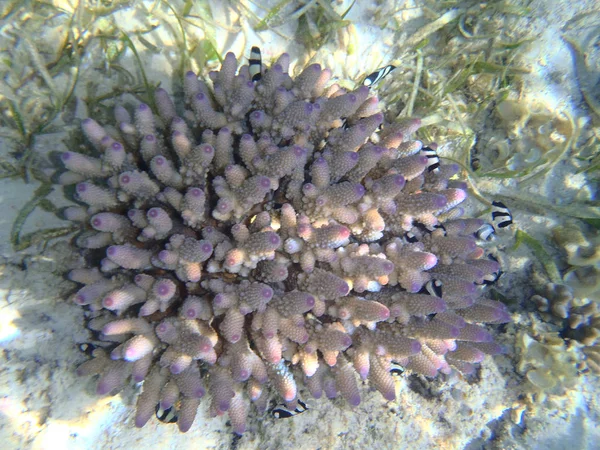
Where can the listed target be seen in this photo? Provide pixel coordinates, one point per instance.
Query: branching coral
(261, 236)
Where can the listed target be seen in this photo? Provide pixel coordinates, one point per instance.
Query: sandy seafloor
(43, 405)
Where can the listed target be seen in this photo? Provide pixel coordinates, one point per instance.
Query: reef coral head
(271, 234)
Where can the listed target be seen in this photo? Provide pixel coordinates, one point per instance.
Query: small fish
(255, 64)
(430, 229)
(410, 238)
(396, 369)
(166, 415)
(283, 412)
(486, 232)
(346, 125)
(492, 278)
(434, 288)
(433, 160)
(377, 75)
(87, 348)
(501, 215)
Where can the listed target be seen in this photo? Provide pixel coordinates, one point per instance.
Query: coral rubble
(264, 236)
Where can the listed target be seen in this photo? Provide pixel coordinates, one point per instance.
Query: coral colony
(268, 235)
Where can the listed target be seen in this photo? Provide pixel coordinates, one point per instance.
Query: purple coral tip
(82, 187)
(385, 314)
(415, 347)
(143, 107)
(265, 182)
(354, 400)
(150, 138)
(154, 212)
(223, 405)
(163, 289)
(343, 289)
(346, 341)
(299, 151)
(267, 293)
(125, 179)
(103, 388)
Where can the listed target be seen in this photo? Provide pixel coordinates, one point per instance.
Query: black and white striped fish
(87, 348)
(501, 215)
(486, 232)
(410, 237)
(376, 76)
(433, 160)
(283, 412)
(255, 64)
(396, 369)
(434, 288)
(491, 278)
(441, 229)
(166, 415)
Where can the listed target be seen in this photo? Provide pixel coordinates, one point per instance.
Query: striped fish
(377, 75)
(166, 415)
(396, 369)
(430, 228)
(87, 348)
(434, 288)
(501, 215)
(491, 278)
(433, 160)
(255, 64)
(283, 412)
(486, 232)
(410, 238)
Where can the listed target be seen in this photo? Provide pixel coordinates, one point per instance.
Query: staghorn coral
(264, 236)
